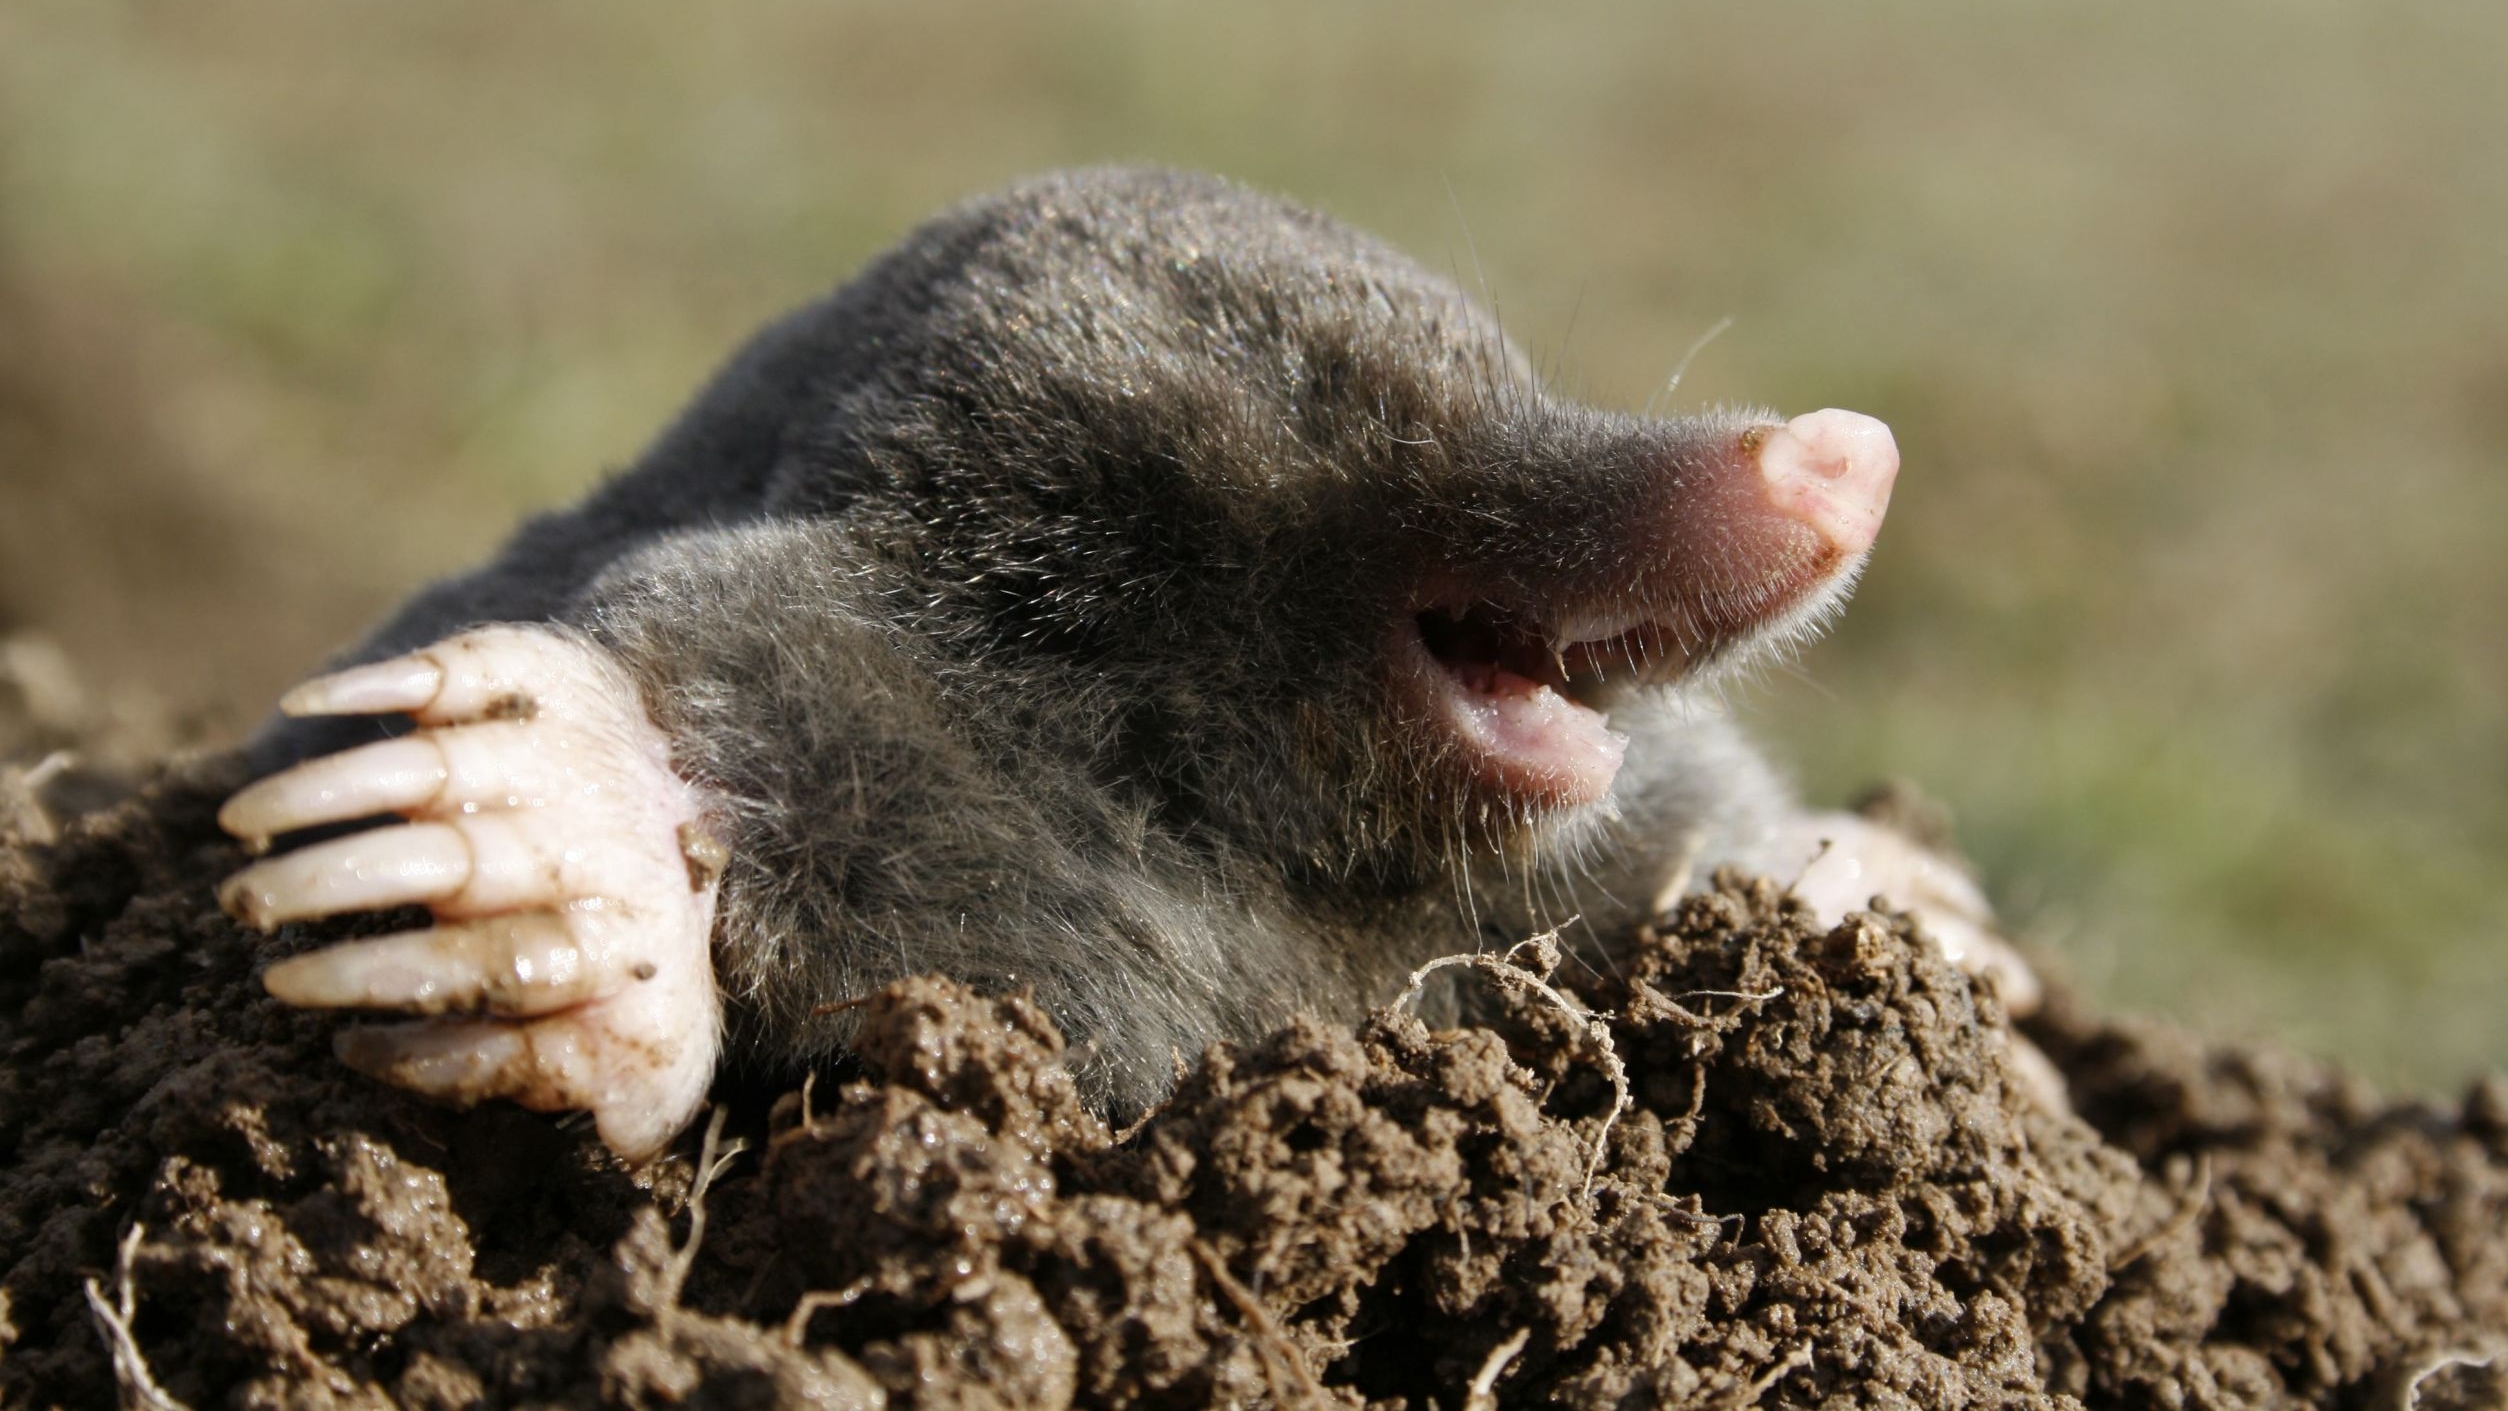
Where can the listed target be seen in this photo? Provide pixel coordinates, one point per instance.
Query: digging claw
(506, 966)
(417, 864)
(403, 685)
(571, 966)
(395, 775)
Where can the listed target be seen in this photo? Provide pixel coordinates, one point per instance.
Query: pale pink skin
(566, 865)
(1821, 487)
(1852, 863)
(573, 887)
(1831, 470)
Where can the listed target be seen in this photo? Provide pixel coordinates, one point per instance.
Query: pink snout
(1831, 470)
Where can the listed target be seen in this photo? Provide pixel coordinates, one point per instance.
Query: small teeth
(407, 683)
(1593, 628)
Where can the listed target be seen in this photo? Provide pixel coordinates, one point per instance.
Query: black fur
(1022, 607)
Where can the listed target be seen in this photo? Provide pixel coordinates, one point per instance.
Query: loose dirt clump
(1820, 1181)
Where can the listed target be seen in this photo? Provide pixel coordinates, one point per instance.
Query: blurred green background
(2192, 321)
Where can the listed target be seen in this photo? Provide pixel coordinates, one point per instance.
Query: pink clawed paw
(567, 867)
(1856, 862)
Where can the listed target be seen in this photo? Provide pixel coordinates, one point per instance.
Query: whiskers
(1656, 403)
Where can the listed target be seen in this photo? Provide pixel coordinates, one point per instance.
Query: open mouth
(1745, 543)
(1530, 700)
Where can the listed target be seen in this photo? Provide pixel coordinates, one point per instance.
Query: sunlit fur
(1024, 605)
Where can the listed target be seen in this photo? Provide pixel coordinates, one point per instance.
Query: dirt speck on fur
(1826, 1189)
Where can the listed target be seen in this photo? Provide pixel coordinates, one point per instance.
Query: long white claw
(587, 1058)
(390, 777)
(509, 966)
(515, 673)
(490, 673)
(418, 862)
(462, 1063)
(408, 683)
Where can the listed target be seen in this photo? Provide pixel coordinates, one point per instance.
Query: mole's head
(1363, 595)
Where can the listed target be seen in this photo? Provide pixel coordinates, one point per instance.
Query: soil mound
(1776, 1166)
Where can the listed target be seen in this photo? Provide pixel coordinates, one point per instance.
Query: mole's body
(1131, 588)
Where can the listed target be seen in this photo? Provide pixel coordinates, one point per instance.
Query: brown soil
(1826, 1187)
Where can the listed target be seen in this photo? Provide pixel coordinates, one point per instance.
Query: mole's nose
(1831, 470)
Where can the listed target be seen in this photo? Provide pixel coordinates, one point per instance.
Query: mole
(1133, 590)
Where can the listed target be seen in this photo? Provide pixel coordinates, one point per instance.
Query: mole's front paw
(1856, 862)
(567, 867)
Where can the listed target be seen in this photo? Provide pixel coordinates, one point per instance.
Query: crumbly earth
(1825, 1188)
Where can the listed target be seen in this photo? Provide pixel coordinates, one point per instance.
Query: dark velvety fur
(1024, 608)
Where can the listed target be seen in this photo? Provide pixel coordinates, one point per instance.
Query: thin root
(1799, 1357)
(2198, 1199)
(1270, 1342)
(712, 1157)
(1508, 973)
(1483, 1393)
(140, 1391)
(1754, 996)
(797, 1323)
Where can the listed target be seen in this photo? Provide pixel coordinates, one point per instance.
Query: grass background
(2192, 321)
